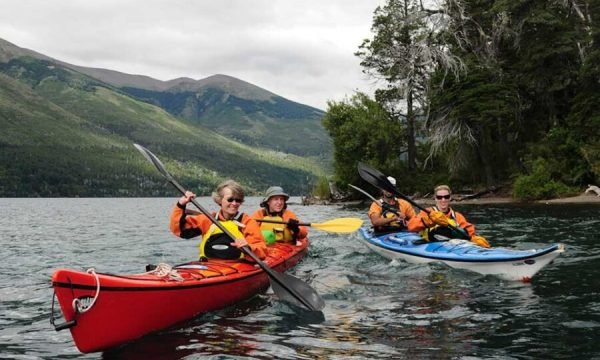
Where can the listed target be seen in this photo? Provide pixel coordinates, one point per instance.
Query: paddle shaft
(280, 222)
(194, 212)
(340, 225)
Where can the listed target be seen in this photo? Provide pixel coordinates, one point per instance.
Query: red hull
(130, 306)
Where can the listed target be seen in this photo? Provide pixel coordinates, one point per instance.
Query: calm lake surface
(376, 309)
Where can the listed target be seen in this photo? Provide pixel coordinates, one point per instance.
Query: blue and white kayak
(507, 264)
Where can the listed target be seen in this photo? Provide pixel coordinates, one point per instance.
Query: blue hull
(506, 263)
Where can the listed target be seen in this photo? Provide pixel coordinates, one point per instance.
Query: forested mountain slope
(65, 133)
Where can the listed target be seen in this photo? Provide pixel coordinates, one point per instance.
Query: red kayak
(105, 310)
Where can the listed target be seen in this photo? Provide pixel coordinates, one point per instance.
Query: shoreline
(489, 200)
(579, 199)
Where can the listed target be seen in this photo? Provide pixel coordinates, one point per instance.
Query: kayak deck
(455, 249)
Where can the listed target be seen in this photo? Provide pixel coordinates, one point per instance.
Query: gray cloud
(302, 50)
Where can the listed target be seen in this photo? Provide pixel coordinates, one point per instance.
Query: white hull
(513, 270)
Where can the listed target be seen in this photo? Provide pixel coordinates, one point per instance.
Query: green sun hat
(273, 191)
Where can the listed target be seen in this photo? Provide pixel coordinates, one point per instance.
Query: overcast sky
(302, 50)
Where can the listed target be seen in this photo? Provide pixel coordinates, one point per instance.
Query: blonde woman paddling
(443, 221)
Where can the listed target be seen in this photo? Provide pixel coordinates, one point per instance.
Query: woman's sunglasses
(232, 199)
(440, 197)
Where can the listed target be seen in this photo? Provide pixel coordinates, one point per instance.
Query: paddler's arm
(181, 224)
(462, 222)
(407, 209)
(375, 212)
(258, 214)
(415, 224)
(470, 229)
(254, 237)
(302, 230)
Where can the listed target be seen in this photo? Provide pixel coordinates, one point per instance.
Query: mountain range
(69, 130)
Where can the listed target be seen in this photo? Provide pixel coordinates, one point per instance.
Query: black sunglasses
(440, 197)
(232, 199)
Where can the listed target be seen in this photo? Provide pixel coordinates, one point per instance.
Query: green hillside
(275, 123)
(231, 107)
(67, 134)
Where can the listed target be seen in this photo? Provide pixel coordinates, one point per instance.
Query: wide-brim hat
(273, 191)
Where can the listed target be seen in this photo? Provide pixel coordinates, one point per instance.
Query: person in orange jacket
(229, 195)
(442, 215)
(274, 207)
(390, 213)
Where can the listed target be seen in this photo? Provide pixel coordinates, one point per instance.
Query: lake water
(375, 309)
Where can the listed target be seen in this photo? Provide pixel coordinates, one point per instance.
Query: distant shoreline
(579, 199)
(489, 200)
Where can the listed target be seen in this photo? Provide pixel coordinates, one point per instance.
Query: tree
(362, 130)
(584, 119)
(522, 59)
(403, 53)
(472, 123)
(501, 84)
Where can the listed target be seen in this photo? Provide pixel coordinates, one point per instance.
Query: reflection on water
(375, 309)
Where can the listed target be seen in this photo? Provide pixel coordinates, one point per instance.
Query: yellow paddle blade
(340, 225)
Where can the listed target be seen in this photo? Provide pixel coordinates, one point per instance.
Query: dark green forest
(477, 94)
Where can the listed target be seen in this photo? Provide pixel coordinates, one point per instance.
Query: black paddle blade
(289, 288)
(377, 179)
(380, 181)
(154, 160)
(303, 296)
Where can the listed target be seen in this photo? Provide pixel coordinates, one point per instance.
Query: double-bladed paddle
(380, 181)
(339, 225)
(285, 286)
